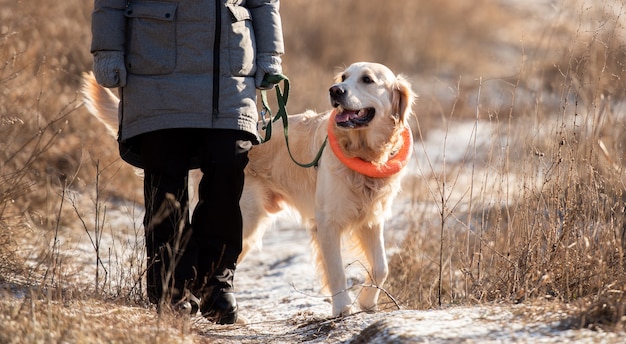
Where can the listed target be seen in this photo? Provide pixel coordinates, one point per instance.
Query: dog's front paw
(342, 304)
(369, 308)
(368, 299)
(342, 311)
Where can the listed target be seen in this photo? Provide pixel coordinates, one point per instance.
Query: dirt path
(280, 298)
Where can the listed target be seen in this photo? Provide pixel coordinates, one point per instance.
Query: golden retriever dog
(348, 195)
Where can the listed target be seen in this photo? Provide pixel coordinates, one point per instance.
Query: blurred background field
(522, 201)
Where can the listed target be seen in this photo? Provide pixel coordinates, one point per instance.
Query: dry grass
(75, 318)
(553, 226)
(537, 212)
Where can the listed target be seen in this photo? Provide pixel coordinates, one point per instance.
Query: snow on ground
(279, 295)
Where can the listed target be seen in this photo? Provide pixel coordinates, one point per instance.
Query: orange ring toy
(391, 167)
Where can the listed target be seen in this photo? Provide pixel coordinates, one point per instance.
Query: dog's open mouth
(354, 118)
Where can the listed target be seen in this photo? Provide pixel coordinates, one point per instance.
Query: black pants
(201, 253)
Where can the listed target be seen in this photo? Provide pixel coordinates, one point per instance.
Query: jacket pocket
(151, 37)
(241, 43)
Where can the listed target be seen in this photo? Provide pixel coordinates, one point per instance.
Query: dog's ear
(337, 78)
(403, 99)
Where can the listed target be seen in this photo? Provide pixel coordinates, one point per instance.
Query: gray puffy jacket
(188, 63)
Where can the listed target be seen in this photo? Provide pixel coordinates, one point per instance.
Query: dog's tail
(101, 103)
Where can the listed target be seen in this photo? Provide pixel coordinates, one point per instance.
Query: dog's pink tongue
(344, 116)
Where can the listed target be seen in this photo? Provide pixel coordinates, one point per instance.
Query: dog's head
(373, 103)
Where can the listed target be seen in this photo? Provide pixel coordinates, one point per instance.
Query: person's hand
(269, 80)
(267, 66)
(109, 69)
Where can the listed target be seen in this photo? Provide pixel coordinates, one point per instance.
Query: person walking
(187, 72)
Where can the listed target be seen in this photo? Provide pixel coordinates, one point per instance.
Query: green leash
(281, 97)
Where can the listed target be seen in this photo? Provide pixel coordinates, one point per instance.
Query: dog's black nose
(336, 91)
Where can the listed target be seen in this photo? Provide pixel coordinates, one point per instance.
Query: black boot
(220, 307)
(218, 300)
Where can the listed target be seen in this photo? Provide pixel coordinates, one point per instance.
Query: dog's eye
(343, 77)
(366, 79)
